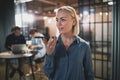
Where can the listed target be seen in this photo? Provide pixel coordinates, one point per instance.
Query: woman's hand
(50, 45)
(33, 46)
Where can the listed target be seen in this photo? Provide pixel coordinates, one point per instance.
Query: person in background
(15, 38)
(69, 56)
(38, 46)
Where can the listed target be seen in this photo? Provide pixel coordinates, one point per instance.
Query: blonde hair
(71, 11)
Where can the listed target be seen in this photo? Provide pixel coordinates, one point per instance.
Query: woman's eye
(63, 20)
(56, 20)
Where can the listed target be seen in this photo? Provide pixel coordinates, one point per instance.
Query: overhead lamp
(106, 13)
(110, 3)
(22, 1)
(36, 12)
(55, 10)
(100, 13)
(45, 17)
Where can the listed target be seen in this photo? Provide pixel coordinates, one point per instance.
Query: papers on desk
(6, 53)
(27, 54)
(11, 55)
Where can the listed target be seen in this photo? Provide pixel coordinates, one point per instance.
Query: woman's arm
(89, 75)
(49, 65)
(49, 58)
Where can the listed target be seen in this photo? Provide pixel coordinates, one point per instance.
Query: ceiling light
(55, 10)
(30, 11)
(110, 3)
(36, 12)
(106, 13)
(22, 1)
(100, 13)
(45, 17)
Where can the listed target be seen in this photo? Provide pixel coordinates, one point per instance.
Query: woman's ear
(74, 21)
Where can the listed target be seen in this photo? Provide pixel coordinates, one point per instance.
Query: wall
(116, 41)
(7, 20)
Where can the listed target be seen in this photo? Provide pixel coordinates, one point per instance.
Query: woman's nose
(58, 23)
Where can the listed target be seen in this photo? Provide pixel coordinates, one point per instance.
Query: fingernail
(51, 39)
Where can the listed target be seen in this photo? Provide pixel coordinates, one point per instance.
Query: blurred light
(106, 13)
(49, 20)
(28, 17)
(30, 11)
(23, 18)
(45, 17)
(18, 20)
(100, 13)
(110, 3)
(36, 12)
(80, 14)
(85, 13)
(55, 10)
(22, 1)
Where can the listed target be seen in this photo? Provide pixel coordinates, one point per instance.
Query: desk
(9, 55)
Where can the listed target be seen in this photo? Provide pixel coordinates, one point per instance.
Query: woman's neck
(67, 40)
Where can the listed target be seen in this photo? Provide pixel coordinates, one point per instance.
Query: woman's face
(64, 22)
(34, 35)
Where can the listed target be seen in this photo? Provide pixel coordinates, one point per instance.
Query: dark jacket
(12, 39)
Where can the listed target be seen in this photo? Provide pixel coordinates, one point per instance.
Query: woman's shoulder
(82, 41)
(40, 34)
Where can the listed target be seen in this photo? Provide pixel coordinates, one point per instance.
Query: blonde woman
(69, 56)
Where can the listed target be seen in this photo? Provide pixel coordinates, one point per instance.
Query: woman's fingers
(50, 44)
(54, 42)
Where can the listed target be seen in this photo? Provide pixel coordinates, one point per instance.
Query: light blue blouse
(75, 63)
(41, 49)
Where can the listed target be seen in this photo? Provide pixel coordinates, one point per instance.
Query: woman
(38, 46)
(69, 56)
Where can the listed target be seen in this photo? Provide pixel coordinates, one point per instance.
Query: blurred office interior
(99, 25)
